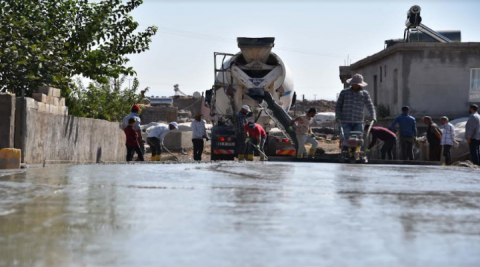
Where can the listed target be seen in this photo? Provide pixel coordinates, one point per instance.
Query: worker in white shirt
(156, 136)
(448, 139)
(199, 132)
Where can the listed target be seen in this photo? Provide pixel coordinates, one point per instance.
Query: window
(474, 95)
(395, 86)
(380, 74)
(385, 70)
(375, 89)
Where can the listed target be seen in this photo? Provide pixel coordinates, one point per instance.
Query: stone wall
(159, 114)
(66, 139)
(7, 123)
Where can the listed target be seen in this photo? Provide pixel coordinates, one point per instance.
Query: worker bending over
(156, 136)
(350, 107)
(304, 133)
(255, 137)
(388, 137)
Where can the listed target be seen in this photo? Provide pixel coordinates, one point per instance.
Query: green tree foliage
(106, 101)
(47, 42)
(383, 111)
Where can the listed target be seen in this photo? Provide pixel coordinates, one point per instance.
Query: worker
(134, 114)
(472, 133)
(407, 132)
(132, 141)
(199, 132)
(156, 136)
(434, 138)
(241, 120)
(349, 110)
(305, 134)
(448, 139)
(388, 137)
(255, 137)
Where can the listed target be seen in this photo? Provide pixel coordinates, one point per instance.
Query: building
(434, 79)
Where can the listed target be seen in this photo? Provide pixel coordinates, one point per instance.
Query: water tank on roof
(197, 95)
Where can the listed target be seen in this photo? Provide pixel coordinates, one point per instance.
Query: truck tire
(271, 149)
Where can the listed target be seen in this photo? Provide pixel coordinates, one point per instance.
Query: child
(132, 141)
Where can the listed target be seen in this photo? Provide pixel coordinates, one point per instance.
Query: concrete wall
(176, 140)
(62, 138)
(432, 78)
(157, 114)
(7, 122)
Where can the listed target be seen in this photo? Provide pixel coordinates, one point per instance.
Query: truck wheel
(271, 147)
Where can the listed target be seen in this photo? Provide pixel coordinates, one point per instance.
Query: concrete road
(233, 214)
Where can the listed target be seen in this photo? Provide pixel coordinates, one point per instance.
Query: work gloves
(247, 140)
(291, 128)
(374, 120)
(368, 150)
(312, 135)
(337, 119)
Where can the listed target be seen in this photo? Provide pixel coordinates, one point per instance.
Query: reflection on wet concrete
(229, 214)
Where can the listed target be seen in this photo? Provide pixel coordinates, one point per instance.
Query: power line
(210, 37)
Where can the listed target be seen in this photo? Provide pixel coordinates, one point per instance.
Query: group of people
(135, 143)
(350, 112)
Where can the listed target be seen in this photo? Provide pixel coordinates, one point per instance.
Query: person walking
(135, 115)
(434, 138)
(304, 133)
(241, 119)
(255, 137)
(448, 139)
(132, 141)
(407, 132)
(350, 107)
(199, 132)
(472, 133)
(156, 136)
(388, 137)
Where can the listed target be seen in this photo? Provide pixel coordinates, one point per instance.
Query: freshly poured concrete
(230, 214)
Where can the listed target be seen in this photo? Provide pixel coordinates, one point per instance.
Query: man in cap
(434, 138)
(255, 138)
(199, 132)
(350, 107)
(472, 133)
(241, 119)
(305, 134)
(134, 114)
(448, 139)
(407, 132)
(156, 136)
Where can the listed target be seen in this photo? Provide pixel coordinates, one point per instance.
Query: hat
(444, 118)
(174, 124)
(135, 108)
(251, 124)
(357, 79)
(247, 108)
(405, 108)
(427, 117)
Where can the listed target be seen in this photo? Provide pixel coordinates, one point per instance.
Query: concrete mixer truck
(260, 79)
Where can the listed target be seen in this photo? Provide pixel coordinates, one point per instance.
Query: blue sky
(313, 38)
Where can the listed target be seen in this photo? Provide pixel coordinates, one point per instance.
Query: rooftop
(415, 47)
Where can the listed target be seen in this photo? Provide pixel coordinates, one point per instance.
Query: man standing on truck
(304, 133)
(241, 119)
(350, 107)
(255, 137)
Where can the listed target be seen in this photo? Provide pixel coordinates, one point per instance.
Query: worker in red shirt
(132, 141)
(256, 137)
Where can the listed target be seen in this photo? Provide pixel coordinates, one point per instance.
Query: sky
(313, 38)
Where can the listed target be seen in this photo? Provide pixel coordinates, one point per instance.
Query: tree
(46, 43)
(107, 101)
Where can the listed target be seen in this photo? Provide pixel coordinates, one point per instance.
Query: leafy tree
(47, 42)
(106, 101)
(383, 111)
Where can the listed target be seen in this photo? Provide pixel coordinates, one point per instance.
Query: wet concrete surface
(240, 214)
